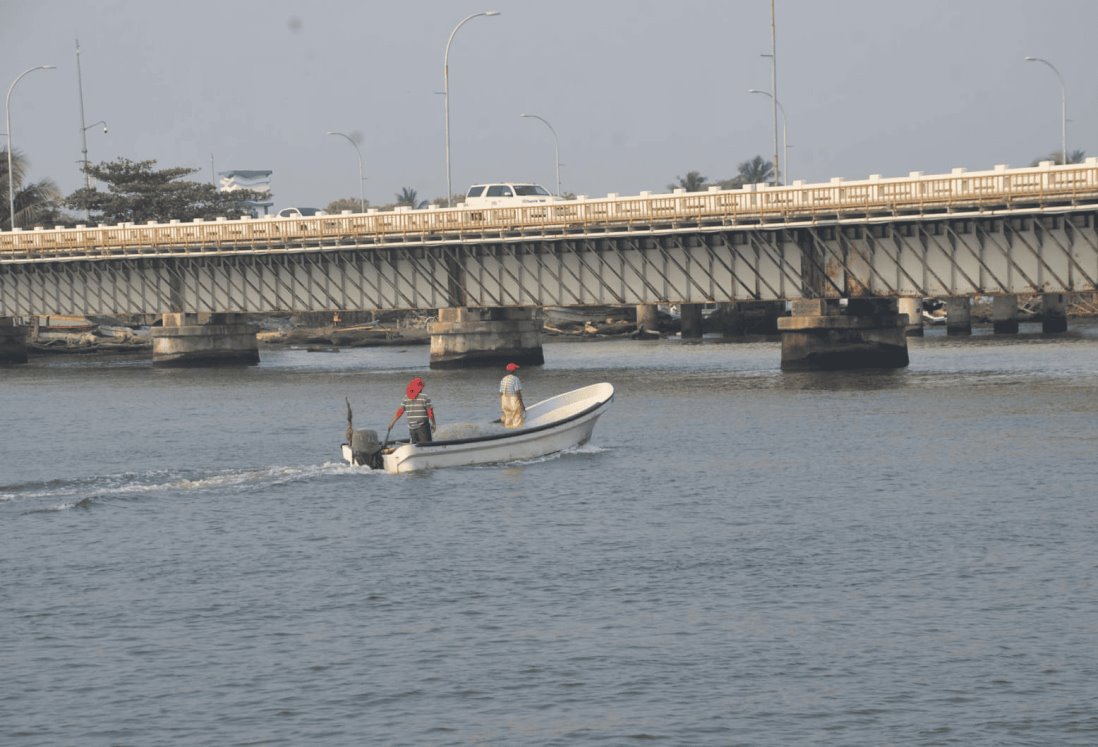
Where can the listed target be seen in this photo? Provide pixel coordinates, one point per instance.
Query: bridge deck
(1002, 189)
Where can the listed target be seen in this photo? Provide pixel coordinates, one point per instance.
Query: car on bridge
(507, 194)
(300, 212)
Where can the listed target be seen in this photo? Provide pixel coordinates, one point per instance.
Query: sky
(638, 93)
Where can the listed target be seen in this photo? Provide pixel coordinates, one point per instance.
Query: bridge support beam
(820, 335)
(472, 337)
(1054, 313)
(13, 341)
(224, 341)
(913, 308)
(959, 315)
(1004, 315)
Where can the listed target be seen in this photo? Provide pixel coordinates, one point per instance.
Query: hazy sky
(638, 92)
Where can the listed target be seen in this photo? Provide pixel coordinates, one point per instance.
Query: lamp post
(774, 86)
(446, 91)
(84, 151)
(361, 178)
(1063, 108)
(7, 123)
(83, 126)
(556, 145)
(785, 132)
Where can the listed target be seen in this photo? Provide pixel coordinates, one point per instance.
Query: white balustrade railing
(1046, 184)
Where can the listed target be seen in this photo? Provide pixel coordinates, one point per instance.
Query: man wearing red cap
(510, 399)
(421, 416)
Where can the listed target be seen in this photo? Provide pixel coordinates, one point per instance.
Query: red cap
(512, 367)
(415, 386)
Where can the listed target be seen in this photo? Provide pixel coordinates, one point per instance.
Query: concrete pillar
(959, 315)
(1054, 313)
(224, 341)
(1004, 315)
(648, 316)
(13, 341)
(913, 308)
(821, 335)
(690, 321)
(472, 337)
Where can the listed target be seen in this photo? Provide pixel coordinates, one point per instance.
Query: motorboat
(552, 425)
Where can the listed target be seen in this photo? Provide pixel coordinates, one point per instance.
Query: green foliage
(335, 207)
(1073, 156)
(409, 198)
(692, 182)
(138, 193)
(35, 204)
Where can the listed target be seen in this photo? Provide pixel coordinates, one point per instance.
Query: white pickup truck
(507, 194)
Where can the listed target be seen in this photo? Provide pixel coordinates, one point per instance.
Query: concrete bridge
(854, 258)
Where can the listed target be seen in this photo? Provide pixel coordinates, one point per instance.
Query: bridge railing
(916, 194)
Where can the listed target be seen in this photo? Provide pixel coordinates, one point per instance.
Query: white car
(507, 194)
(300, 212)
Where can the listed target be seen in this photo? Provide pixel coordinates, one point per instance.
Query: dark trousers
(421, 434)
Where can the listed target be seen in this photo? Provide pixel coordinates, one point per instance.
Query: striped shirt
(510, 384)
(416, 410)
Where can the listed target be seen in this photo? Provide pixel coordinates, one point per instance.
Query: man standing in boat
(510, 399)
(421, 416)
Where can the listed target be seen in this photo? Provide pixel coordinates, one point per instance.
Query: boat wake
(86, 492)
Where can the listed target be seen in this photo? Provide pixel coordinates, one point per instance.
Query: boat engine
(366, 449)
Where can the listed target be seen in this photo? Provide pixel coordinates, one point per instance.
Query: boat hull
(553, 425)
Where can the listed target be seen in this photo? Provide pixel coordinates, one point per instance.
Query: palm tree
(756, 171)
(34, 203)
(692, 182)
(1074, 156)
(408, 196)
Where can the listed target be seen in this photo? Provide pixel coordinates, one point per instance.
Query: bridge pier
(13, 341)
(690, 321)
(821, 335)
(224, 341)
(1054, 313)
(475, 337)
(1004, 315)
(958, 315)
(648, 316)
(913, 308)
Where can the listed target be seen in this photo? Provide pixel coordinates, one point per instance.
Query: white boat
(552, 425)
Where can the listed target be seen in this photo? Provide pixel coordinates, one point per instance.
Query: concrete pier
(1004, 315)
(475, 337)
(1054, 313)
(913, 308)
(648, 316)
(822, 335)
(690, 321)
(224, 341)
(13, 341)
(958, 315)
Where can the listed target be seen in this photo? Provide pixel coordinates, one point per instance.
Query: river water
(740, 555)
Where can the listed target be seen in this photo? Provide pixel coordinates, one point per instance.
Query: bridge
(844, 250)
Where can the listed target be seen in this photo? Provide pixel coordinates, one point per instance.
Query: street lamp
(84, 128)
(361, 178)
(1063, 108)
(785, 133)
(7, 122)
(84, 135)
(446, 91)
(556, 145)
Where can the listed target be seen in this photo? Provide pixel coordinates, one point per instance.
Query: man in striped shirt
(421, 416)
(510, 399)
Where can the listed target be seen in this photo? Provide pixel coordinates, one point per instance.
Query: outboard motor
(366, 449)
